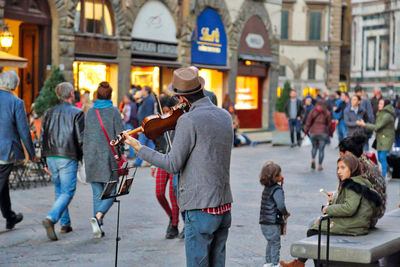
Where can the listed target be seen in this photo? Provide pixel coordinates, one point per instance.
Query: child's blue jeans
(272, 232)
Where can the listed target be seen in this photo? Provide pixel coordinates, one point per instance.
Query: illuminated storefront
(209, 50)
(254, 59)
(30, 27)
(88, 75)
(96, 49)
(310, 92)
(154, 47)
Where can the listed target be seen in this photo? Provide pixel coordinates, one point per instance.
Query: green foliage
(285, 95)
(47, 97)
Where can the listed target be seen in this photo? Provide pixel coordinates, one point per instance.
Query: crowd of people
(195, 159)
(319, 117)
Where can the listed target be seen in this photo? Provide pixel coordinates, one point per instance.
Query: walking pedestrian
(294, 111)
(201, 153)
(397, 124)
(163, 177)
(62, 137)
(308, 106)
(13, 129)
(273, 213)
(337, 115)
(384, 130)
(351, 210)
(96, 149)
(130, 114)
(375, 100)
(353, 113)
(367, 107)
(146, 108)
(319, 128)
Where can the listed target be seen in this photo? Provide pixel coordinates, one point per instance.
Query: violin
(154, 126)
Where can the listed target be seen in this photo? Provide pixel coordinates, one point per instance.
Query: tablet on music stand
(125, 186)
(110, 190)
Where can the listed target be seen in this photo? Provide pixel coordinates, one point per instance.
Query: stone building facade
(310, 47)
(375, 60)
(76, 42)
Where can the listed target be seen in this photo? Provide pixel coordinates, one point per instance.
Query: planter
(281, 122)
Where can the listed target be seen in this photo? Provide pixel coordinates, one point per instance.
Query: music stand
(110, 191)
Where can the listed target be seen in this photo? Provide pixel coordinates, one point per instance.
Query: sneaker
(313, 165)
(49, 226)
(96, 228)
(267, 265)
(292, 145)
(276, 265)
(14, 220)
(172, 232)
(65, 229)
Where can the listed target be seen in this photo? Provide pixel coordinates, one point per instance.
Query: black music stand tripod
(110, 191)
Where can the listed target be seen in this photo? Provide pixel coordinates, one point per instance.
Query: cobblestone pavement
(143, 222)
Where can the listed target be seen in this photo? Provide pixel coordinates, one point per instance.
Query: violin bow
(161, 113)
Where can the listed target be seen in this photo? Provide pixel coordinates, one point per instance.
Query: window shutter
(314, 32)
(285, 25)
(311, 69)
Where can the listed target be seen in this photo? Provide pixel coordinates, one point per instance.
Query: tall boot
(292, 138)
(298, 139)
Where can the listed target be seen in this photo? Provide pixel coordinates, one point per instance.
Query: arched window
(94, 17)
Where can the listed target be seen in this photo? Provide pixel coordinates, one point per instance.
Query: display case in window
(246, 93)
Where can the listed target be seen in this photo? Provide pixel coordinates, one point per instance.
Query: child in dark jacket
(273, 211)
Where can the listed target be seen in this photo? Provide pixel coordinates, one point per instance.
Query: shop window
(384, 52)
(285, 25)
(88, 75)
(282, 71)
(314, 30)
(311, 69)
(94, 17)
(146, 76)
(213, 82)
(246, 93)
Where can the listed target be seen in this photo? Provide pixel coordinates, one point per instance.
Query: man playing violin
(201, 153)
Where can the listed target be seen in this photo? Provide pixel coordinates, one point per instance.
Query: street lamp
(6, 38)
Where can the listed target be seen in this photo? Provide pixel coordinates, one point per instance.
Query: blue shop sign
(209, 39)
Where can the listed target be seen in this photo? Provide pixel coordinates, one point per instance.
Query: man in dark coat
(13, 128)
(62, 140)
(294, 111)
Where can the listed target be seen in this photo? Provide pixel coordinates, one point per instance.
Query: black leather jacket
(62, 132)
(272, 205)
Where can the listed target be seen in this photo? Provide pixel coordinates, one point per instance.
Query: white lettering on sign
(152, 47)
(210, 49)
(254, 40)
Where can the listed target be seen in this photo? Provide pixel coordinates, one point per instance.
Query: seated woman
(352, 209)
(354, 144)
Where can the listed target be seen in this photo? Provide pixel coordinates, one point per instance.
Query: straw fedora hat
(186, 81)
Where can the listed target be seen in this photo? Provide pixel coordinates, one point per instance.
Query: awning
(8, 60)
(212, 67)
(156, 62)
(256, 58)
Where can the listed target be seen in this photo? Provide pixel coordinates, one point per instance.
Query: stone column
(124, 67)
(334, 49)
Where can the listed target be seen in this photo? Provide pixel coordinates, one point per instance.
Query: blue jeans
(63, 172)
(272, 234)
(131, 151)
(382, 160)
(205, 238)
(397, 139)
(294, 123)
(341, 130)
(100, 205)
(144, 141)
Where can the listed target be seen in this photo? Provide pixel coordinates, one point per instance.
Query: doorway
(29, 49)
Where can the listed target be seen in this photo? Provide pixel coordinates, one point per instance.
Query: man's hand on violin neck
(133, 142)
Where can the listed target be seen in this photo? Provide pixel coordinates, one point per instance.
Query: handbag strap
(106, 135)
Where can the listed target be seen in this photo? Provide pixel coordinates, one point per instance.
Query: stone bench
(357, 251)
